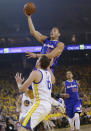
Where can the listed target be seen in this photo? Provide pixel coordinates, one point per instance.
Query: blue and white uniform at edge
(48, 46)
(73, 103)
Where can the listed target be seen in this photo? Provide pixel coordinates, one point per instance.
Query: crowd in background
(9, 93)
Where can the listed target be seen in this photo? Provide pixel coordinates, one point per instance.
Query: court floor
(83, 128)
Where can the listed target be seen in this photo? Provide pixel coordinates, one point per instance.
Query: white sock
(77, 121)
(71, 122)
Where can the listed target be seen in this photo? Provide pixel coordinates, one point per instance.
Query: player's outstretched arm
(35, 76)
(18, 103)
(23, 86)
(52, 76)
(56, 52)
(38, 36)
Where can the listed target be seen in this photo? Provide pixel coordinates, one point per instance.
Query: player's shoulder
(61, 43)
(67, 82)
(36, 71)
(76, 81)
(46, 39)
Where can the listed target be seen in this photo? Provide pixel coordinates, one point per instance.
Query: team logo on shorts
(26, 102)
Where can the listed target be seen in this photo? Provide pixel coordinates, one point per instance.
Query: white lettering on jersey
(49, 46)
(71, 86)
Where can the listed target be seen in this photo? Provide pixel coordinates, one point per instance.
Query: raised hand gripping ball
(29, 8)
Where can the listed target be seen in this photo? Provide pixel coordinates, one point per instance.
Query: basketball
(29, 8)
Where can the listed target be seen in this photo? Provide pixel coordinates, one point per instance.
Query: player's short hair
(57, 29)
(44, 62)
(69, 71)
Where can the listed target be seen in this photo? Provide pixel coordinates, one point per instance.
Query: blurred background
(72, 17)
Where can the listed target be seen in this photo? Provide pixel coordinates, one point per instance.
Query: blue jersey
(50, 45)
(72, 89)
(73, 103)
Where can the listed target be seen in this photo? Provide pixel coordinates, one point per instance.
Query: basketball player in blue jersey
(52, 47)
(72, 101)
